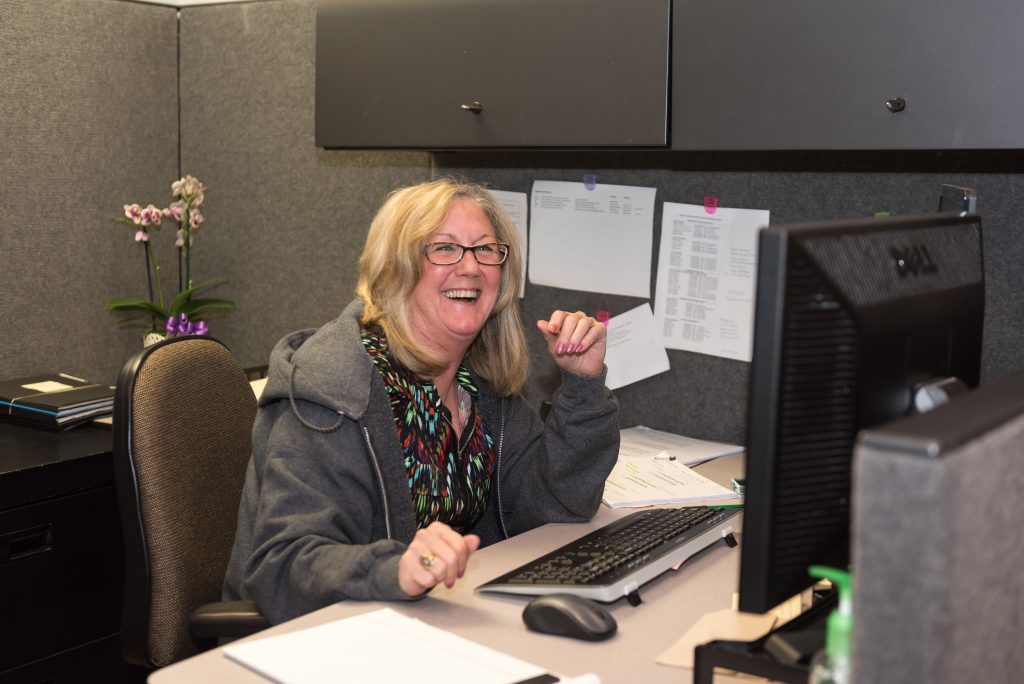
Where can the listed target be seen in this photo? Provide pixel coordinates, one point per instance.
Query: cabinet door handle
(896, 104)
(474, 107)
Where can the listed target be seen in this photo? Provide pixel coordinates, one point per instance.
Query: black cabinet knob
(475, 107)
(896, 104)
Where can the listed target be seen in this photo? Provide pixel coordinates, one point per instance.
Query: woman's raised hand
(575, 341)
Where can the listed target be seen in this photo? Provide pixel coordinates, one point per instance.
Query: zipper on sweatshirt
(497, 467)
(380, 481)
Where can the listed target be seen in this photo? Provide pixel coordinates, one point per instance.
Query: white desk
(671, 604)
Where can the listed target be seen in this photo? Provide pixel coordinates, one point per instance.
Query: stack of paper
(653, 469)
(53, 401)
(643, 442)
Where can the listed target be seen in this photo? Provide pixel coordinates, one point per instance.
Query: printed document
(706, 275)
(648, 481)
(634, 348)
(641, 442)
(514, 204)
(362, 649)
(653, 469)
(592, 240)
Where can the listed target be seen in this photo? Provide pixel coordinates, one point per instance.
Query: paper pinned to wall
(707, 267)
(634, 349)
(514, 204)
(595, 240)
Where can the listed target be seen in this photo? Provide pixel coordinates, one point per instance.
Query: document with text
(642, 482)
(595, 240)
(653, 468)
(514, 204)
(634, 348)
(707, 266)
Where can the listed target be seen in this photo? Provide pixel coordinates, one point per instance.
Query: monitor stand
(783, 654)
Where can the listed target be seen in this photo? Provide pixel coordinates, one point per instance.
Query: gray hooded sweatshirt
(326, 510)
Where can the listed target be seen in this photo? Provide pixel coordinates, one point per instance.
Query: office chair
(183, 415)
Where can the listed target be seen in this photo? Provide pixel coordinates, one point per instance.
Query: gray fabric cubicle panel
(705, 396)
(286, 221)
(937, 548)
(88, 123)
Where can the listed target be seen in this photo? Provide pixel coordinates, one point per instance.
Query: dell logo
(913, 260)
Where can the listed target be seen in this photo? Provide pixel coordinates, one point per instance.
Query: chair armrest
(226, 619)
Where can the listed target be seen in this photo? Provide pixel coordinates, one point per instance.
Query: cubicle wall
(88, 123)
(93, 125)
(705, 396)
(286, 221)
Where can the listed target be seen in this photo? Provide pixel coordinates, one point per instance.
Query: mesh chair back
(183, 421)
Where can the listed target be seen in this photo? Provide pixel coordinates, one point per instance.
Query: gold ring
(427, 559)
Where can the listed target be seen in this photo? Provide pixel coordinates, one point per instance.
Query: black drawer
(61, 575)
(96, 663)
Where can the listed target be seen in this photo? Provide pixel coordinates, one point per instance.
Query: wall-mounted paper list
(592, 240)
(514, 204)
(706, 271)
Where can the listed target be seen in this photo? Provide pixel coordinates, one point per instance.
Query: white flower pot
(151, 337)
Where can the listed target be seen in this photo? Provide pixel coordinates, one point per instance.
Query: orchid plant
(184, 313)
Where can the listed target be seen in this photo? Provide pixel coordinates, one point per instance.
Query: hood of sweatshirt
(325, 366)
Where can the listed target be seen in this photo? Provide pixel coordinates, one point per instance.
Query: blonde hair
(389, 269)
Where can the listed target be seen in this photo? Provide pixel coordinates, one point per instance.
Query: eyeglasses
(448, 253)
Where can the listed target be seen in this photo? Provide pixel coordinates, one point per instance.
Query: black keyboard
(615, 560)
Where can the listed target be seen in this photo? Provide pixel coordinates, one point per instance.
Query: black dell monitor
(856, 323)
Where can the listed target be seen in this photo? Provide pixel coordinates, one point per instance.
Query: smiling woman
(397, 277)
(392, 442)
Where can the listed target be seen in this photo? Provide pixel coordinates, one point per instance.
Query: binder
(54, 401)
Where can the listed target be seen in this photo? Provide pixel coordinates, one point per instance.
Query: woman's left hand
(575, 341)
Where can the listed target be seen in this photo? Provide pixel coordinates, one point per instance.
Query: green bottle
(831, 665)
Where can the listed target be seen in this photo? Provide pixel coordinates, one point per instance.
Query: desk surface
(671, 604)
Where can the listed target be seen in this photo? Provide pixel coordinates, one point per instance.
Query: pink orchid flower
(175, 210)
(133, 212)
(151, 216)
(189, 188)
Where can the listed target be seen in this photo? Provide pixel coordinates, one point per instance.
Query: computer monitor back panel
(850, 317)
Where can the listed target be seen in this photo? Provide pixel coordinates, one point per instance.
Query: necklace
(459, 403)
(465, 404)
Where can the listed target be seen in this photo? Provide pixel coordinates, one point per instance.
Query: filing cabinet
(61, 560)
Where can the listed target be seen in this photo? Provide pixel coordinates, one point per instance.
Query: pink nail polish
(560, 349)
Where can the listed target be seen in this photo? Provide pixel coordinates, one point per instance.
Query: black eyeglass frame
(502, 248)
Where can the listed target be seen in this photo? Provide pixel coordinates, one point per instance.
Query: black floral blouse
(449, 477)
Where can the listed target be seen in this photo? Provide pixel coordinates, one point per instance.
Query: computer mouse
(569, 615)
